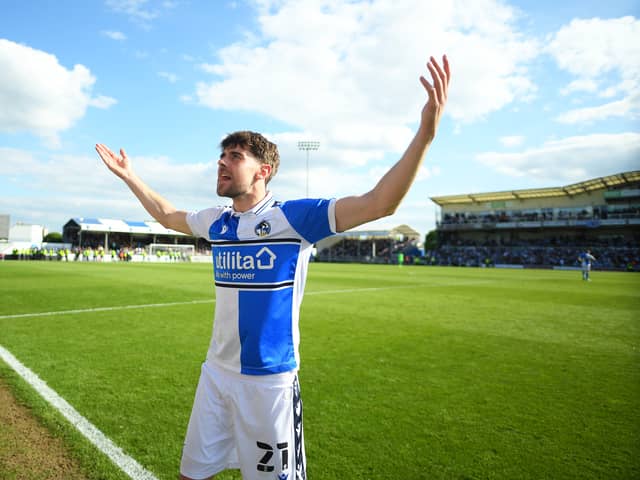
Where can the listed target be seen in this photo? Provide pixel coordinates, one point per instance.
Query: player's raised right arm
(157, 206)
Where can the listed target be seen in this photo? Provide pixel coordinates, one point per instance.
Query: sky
(542, 94)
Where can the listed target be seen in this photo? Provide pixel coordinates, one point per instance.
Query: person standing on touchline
(247, 412)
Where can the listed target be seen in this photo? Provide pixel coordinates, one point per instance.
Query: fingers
(447, 69)
(427, 86)
(103, 150)
(117, 164)
(440, 75)
(436, 78)
(110, 158)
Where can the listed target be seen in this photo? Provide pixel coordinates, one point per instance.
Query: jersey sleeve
(201, 221)
(313, 219)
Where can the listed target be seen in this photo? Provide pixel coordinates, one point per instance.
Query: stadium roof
(404, 230)
(119, 226)
(600, 183)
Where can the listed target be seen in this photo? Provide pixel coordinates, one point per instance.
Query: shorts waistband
(273, 379)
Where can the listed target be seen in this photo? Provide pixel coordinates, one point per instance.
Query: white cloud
(137, 10)
(590, 48)
(170, 77)
(628, 107)
(512, 140)
(604, 55)
(114, 35)
(102, 102)
(570, 159)
(40, 95)
(142, 12)
(326, 67)
(17, 162)
(426, 173)
(580, 85)
(209, 68)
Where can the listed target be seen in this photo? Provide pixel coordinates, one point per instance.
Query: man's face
(237, 172)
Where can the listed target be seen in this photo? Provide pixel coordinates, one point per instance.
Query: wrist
(425, 134)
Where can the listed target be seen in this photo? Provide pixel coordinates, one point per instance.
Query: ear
(264, 171)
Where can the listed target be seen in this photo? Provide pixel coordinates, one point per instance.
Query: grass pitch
(407, 372)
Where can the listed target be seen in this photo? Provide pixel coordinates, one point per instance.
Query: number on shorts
(264, 463)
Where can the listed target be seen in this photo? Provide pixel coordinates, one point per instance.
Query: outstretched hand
(117, 164)
(438, 91)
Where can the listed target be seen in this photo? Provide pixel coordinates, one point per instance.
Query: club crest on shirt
(263, 229)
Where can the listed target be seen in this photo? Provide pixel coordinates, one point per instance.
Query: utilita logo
(264, 259)
(254, 262)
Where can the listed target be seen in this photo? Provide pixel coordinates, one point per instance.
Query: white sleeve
(332, 215)
(201, 221)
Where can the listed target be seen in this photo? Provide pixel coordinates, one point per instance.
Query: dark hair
(261, 148)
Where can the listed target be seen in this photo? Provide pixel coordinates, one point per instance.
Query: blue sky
(543, 94)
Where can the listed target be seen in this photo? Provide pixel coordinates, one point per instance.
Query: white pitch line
(95, 436)
(172, 304)
(196, 302)
(103, 309)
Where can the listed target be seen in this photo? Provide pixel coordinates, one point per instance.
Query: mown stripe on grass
(169, 304)
(195, 302)
(127, 464)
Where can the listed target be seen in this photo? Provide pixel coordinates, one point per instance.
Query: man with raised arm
(247, 412)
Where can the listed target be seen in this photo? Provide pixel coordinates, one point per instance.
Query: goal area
(171, 252)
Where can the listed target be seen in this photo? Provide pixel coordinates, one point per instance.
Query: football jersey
(260, 260)
(586, 259)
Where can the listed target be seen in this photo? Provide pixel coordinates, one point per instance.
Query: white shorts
(250, 422)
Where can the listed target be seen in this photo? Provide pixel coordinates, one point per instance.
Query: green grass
(412, 372)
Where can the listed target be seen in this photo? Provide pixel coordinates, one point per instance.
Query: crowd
(608, 258)
(124, 253)
(603, 212)
(612, 254)
(382, 250)
(352, 250)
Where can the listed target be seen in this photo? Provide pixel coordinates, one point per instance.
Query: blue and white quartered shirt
(586, 259)
(260, 260)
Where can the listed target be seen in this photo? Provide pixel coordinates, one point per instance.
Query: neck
(245, 202)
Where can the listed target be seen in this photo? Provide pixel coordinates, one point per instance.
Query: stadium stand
(124, 235)
(126, 240)
(545, 227)
(108, 232)
(371, 246)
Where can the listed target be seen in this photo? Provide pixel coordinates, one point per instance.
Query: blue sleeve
(313, 219)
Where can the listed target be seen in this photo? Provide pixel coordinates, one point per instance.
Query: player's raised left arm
(385, 197)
